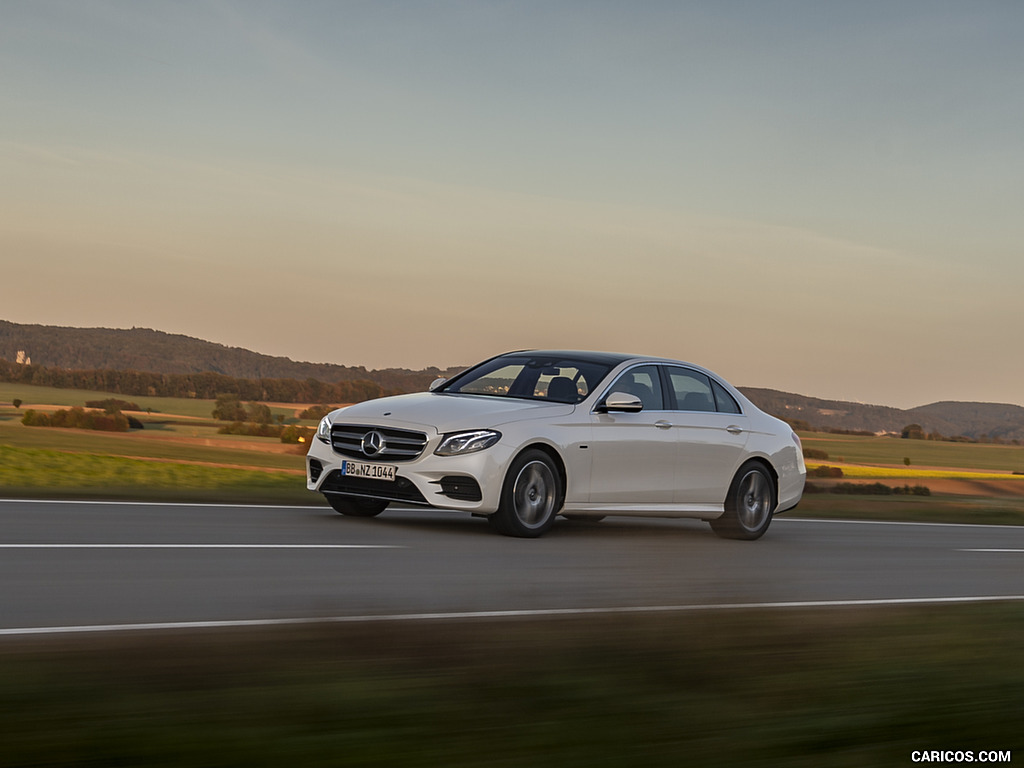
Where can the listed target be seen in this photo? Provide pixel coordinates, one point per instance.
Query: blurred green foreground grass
(849, 687)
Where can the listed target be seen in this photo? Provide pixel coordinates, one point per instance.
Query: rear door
(711, 431)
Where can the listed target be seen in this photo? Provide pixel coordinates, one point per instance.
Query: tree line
(79, 418)
(206, 385)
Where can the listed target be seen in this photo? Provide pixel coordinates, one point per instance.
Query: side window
(692, 390)
(645, 383)
(726, 402)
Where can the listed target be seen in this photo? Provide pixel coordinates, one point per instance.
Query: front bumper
(469, 483)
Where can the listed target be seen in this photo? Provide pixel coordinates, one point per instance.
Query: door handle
(734, 430)
(663, 424)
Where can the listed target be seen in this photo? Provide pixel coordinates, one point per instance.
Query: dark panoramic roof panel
(600, 358)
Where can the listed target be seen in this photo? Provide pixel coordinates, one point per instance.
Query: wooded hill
(978, 421)
(141, 362)
(144, 350)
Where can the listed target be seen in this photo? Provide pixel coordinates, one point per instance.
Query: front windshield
(531, 377)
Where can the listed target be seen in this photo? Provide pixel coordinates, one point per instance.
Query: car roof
(603, 358)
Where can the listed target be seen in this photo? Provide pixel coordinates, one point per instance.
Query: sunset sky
(820, 197)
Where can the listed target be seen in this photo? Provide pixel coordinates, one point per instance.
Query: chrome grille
(399, 444)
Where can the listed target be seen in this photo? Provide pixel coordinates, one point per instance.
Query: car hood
(447, 413)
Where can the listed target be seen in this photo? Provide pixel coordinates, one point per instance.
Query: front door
(634, 454)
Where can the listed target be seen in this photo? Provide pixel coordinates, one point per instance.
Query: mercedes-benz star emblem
(373, 443)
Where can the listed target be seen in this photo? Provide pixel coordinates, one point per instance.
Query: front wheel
(749, 505)
(356, 507)
(530, 497)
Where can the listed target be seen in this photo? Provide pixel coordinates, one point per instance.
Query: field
(969, 483)
(923, 454)
(48, 397)
(180, 455)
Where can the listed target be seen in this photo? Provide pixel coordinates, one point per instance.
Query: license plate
(373, 471)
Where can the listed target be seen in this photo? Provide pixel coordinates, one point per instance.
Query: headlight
(458, 443)
(323, 432)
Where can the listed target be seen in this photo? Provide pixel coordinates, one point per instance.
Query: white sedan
(526, 436)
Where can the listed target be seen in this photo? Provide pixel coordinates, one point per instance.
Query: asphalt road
(75, 565)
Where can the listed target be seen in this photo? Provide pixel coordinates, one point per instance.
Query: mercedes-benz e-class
(526, 436)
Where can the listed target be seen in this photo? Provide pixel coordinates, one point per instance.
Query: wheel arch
(765, 462)
(556, 457)
(741, 504)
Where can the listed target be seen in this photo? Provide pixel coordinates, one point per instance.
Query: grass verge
(939, 508)
(42, 473)
(50, 474)
(198, 444)
(828, 688)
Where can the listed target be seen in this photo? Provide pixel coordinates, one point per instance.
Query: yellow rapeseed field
(860, 471)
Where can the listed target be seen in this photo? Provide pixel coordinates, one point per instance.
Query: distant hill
(828, 414)
(146, 350)
(143, 349)
(973, 419)
(950, 419)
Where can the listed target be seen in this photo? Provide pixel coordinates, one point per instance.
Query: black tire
(354, 507)
(749, 505)
(530, 497)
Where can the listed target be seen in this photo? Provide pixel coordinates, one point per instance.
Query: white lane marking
(511, 614)
(776, 520)
(1005, 551)
(201, 546)
(311, 505)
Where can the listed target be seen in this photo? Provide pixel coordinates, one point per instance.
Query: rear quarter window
(724, 402)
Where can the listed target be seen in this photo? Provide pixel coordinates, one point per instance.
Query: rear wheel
(749, 505)
(530, 498)
(354, 507)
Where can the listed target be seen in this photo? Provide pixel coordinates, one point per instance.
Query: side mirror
(436, 383)
(622, 402)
